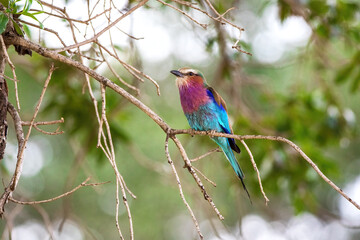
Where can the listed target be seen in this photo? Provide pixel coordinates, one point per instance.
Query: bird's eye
(191, 74)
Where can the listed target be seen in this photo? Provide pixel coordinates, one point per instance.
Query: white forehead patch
(187, 70)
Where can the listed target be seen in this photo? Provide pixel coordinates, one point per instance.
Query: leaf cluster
(13, 10)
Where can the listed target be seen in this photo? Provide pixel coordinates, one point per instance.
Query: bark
(3, 104)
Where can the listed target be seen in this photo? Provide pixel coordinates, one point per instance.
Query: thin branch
(257, 171)
(117, 203)
(56, 132)
(194, 175)
(35, 125)
(20, 137)
(272, 138)
(180, 187)
(203, 175)
(37, 108)
(119, 179)
(96, 36)
(132, 70)
(12, 66)
(83, 184)
(204, 26)
(27, 123)
(21, 143)
(45, 29)
(117, 75)
(219, 18)
(206, 154)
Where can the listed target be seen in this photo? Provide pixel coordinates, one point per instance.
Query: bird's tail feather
(234, 163)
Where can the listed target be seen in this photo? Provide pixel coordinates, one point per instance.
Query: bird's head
(187, 76)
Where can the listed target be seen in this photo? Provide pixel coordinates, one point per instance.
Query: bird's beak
(177, 73)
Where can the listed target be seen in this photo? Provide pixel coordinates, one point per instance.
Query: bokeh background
(302, 82)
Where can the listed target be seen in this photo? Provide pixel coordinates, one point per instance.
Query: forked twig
(204, 26)
(180, 187)
(83, 184)
(21, 142)
(194, 175)
(206, 154)
(204, 176)
(272, 138)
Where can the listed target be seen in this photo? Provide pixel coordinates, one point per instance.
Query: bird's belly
(204, 119)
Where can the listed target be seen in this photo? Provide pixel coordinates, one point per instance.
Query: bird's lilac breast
(192, 97)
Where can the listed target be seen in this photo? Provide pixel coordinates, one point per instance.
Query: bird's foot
(192, 132)
(211, 133)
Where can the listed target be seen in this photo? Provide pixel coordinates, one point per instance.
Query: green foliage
(3, 22)
(17, 8)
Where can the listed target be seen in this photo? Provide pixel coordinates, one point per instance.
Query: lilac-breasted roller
(206, 110)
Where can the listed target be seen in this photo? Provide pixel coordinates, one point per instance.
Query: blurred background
(302, 82)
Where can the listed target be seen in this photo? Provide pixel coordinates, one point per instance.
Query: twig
(117, 203)
(56, 132)
(21, 143)
(117, 75)
(12, 66)
(96, 36)
(257, 171)
(27, 123)
(206, 154)
(45, 29)
(272, 138)
(220, 18)
(37, 108)
(83, 184)
(194, 175)
(203, 175)
(184, 13)
(119, 179)
(132, 70)
(180, 187)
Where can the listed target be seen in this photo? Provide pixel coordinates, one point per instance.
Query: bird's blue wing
(222, 116)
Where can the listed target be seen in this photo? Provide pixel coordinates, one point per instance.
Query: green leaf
(18, 28)
(33, 17)
(27, 30)
(3, 22)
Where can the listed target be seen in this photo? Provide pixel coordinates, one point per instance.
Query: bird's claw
(211, 133)
(192, 132)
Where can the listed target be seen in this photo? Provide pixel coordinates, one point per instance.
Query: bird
(206, 110)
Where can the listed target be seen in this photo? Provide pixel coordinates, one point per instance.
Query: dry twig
(180, 187)
(273, 138)
(12, 70)
(257, 171)
(21, 143)
(83, 184)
